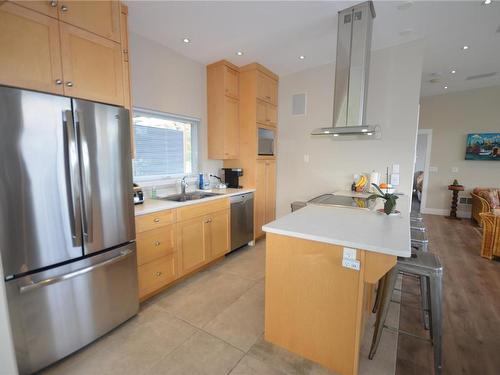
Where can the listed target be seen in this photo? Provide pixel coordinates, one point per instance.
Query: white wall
(166, 81)
(421, 152)
(393, 98)
(451, 117)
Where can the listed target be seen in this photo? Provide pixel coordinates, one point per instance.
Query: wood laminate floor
(471, 304)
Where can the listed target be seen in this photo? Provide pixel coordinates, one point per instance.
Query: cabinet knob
(64, 8)
(157, 243)
(53, 3)
(156, 220)
(58, 82)
(158, 274)
(69, 84)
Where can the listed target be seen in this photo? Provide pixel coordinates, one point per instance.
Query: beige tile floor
(211, 323)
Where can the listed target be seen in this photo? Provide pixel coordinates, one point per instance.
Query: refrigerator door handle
(53, 280)
(73, 179)
(86, 179)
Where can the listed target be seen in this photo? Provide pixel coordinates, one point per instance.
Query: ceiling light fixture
(239, 53)
(453, 71)
(446, 87)
(486, 2)
(466, 47)
(186, 40)
(302, 57)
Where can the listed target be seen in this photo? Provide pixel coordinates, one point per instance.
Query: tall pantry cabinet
(258, 99)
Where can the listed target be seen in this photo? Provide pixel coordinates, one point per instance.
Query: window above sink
(166, 146)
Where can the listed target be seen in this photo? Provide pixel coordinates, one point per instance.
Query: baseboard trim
(445, 212)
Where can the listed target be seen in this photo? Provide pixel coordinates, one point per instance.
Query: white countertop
(153, 205)
(350, 227)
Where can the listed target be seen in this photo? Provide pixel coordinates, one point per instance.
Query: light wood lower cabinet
(167, 250)
(29, 50)
(155, 275)
(265, 195)
(92, 66)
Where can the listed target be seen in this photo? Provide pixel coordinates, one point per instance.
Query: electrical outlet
(454, 169)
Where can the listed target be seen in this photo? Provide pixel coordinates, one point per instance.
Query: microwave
(266, 142)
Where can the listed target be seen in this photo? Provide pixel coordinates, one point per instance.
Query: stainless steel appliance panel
(106, 174)
(39, 196)
(56, 312)
(241, 220)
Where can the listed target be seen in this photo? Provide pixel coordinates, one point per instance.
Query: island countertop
(351, 227)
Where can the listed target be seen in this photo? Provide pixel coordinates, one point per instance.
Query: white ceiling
(275, 33)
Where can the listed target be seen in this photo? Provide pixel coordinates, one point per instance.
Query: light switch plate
(454, 169)
(352, 264)
(433, 169)
(349, 253)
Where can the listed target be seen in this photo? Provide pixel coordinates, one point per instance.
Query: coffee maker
(232, 177)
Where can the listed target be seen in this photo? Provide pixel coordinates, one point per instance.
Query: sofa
(484, 200)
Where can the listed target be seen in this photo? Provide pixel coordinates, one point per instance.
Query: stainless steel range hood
(351, 74)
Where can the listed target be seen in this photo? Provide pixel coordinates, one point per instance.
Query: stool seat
(421, 263)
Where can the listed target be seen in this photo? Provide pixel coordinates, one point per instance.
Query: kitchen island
(321, 265)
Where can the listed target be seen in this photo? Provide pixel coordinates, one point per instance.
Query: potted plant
(390, 199)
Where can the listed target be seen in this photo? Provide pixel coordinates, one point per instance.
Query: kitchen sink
(189, 196)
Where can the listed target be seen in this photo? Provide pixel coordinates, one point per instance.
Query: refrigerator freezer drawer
(56, 312)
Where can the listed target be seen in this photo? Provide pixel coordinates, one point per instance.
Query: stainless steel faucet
(184, 185)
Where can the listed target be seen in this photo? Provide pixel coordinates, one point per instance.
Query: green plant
(390, 199)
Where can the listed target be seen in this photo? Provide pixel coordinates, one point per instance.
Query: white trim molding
(445, 212)
(428, 132)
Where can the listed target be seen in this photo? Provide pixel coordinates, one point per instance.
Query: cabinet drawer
(154, 220)
(156, 274)
(154, 244)
(201, 209)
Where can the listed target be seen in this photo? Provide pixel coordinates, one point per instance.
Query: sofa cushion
(477, 190)
(492, 197)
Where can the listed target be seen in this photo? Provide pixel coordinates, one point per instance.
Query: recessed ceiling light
(302, 57)
(186, 40)
(239, 53)
(487, 2)
(446, 87)
(453, 71)
(466, 47)
(335, 135)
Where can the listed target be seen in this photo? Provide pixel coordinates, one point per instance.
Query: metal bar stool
(419, 240)
(424, 265)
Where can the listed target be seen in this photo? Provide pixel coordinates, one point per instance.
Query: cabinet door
(231, 128)
(270, 191)
(267, 88)
(29, 50)
(231, 82)
(155, 244)
(193, 243)
(271, 114)
(99, 17)
(261, 112)
(219, 234)
(92, 66)
(46, 7)
(260, 198)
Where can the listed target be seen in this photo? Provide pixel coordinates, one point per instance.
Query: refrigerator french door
(66, 222)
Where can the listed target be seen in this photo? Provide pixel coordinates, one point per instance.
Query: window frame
(195, 144)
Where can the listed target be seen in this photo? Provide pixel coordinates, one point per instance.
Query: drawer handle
(268, 97)
(53, 3)
(64, 8)
(157, 243)
(59, 82)
(158, 274)
(69, 84)
(156, 220)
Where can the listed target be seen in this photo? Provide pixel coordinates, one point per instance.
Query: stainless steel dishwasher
(241, 220)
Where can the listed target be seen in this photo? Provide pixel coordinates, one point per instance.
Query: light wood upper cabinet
(231, 82)
(47, 7)
(29, 50)
(92, 66)
(223, 110)
(193, 243)
(265, 195)
(267, 88)
(99, 17)
(219, 234)
(267, 113)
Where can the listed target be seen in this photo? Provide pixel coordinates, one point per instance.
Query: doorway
(421, 174)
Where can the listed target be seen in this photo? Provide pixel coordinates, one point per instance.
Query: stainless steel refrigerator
(66, 222)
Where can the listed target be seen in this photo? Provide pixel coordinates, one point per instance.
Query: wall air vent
(478, 76)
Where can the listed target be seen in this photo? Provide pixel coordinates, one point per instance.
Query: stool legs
(424, 302)
(386, 293)
(436, 294)
(378, 297)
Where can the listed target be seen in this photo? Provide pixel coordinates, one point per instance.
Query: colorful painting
(483, 146)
